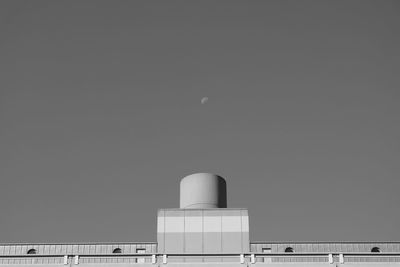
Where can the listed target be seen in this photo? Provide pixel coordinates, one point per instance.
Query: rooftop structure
(203, 231)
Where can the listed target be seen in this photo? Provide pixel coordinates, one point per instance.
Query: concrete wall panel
(212, 242)
(231, 242)
(174, 242)
(193, 242)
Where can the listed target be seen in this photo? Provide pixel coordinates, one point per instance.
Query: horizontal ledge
(261, 255)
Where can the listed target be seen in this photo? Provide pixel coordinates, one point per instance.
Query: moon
(204, 100)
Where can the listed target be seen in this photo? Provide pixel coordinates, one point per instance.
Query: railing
(244, 258)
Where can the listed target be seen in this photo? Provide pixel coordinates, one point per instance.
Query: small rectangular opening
(267, 250)
(140, 251)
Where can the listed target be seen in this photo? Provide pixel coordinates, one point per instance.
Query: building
(203, 231)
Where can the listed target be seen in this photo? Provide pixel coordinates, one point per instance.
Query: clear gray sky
(100, 116)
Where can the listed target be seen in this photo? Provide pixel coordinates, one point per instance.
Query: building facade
(203, 231)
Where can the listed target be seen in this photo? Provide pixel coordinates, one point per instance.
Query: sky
(101, 116)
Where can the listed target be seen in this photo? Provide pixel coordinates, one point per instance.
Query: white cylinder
(203, 191)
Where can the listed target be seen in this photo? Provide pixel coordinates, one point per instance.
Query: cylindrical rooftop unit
(202, 191)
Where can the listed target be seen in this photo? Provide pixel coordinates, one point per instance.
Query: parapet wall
(311, 254)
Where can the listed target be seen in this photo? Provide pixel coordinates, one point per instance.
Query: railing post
(76, 260)
(164, 258)
(153, 259)
(241, 258)
(330, 258)
(253, 258)
(341, 258)
(65, 259)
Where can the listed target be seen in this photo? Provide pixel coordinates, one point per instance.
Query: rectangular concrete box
(203, 231)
